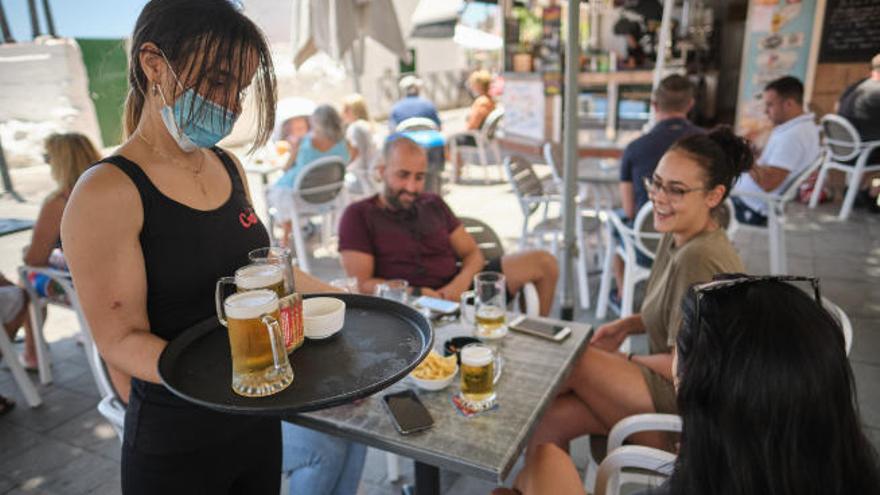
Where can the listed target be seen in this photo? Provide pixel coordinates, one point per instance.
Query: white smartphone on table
(539, 328)
(436, 305)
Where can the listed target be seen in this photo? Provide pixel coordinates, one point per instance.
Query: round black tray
(381, 342)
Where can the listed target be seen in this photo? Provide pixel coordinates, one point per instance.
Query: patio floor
(65, 447)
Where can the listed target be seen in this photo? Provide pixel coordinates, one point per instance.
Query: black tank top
(185, 251)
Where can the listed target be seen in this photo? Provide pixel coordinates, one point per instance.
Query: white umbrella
(333, 26)
(476, 39)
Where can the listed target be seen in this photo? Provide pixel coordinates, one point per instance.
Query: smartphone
(540, 328)
(441, 306)
(408, 412)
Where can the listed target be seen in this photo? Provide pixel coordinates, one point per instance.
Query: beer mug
(480, 371)
(490, 301)
(396, 290)
(271, 277)
(279, 256)
(259, 363)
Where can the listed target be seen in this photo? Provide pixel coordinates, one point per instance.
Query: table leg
(427, 479)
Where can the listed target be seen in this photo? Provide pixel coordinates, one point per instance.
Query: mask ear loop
(179, 85)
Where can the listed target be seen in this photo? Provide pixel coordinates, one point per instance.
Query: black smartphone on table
(539, 328)
(408, 412)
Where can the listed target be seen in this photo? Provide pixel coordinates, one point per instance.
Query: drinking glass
(277, 256)
(490, 300)
(479, 372)
(347, 284)
(393, 289)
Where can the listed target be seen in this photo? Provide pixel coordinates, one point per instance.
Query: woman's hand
(609, 336)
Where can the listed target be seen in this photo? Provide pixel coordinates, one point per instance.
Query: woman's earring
(156, 89)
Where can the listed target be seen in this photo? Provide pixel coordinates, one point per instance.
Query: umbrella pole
(570, 154)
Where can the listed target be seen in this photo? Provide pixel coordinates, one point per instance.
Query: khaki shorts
(11, 302)
(661, 390)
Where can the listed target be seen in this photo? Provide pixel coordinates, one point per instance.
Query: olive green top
(674, 270)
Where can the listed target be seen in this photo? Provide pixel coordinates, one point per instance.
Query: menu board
(851, 32)
(523, 101)
(777, 43)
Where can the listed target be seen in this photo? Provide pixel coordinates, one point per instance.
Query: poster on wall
(551, 50)
(524, 108)
(777, 43)
(851, 33)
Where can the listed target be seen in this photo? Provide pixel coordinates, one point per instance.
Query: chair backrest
(321, 181)
(486, 238)
(416, 124)
(490, 125)
(841, 139)
(646, 238)
(843, 320)
(553, 157)
(525, 182)
(791, 189)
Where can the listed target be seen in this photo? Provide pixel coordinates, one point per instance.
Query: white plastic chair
(843, 143)
(531, 197)
(776, 204)
(25, 385)
(319, 190)
(484, 142)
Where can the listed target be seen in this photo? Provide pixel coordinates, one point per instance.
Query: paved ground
(65, 447)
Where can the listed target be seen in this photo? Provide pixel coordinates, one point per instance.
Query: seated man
(860, 104)
(793, 146)
(412, 105)
(408, 234)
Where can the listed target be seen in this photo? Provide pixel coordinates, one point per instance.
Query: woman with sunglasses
(148, 231)
(691, 180)
(766, 396)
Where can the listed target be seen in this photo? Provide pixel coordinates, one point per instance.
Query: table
(13, 225)
(485, 446)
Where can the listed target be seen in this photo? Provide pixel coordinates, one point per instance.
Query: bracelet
(629, 357)
(417, 291)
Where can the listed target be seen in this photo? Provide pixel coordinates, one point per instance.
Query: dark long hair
(767, 398)
(200, 38)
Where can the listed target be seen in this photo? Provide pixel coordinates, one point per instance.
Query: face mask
(211, 123)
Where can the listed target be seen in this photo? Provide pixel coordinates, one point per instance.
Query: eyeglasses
(727, 281)
(672, 192)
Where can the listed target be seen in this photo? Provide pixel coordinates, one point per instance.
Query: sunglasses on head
(726, 281)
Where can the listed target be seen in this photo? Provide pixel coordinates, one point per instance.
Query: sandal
(6, 405)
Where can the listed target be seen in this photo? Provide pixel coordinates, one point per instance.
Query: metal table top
(598, 171)
(484, 446)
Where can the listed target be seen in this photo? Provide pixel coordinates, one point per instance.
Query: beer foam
(250, 304)
(258, 276)
(476, 356)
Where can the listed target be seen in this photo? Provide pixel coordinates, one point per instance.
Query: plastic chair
(490, 245)
(776, 204)
(843, 143)
(319, 190)
(24, 383)
(531, 197)
(484, 141)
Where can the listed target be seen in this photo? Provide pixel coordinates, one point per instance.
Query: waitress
(148, 231)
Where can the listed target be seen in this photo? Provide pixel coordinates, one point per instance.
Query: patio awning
(476, 39)
(436, 18)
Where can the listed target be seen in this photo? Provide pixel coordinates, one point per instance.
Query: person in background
(479, 83)
(14, 315)
(860, 104)
(407, 233)
(692, 179)
(148, 231)
(359, 134)
(412, 105)
(793, 146)
(748, 400)
(291, 125)
(326, 138)
(673, 100)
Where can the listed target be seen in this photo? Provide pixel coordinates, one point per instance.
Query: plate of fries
(435, 372)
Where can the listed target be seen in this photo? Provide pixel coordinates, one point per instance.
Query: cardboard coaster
(469, 409)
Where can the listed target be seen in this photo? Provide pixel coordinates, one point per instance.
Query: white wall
(43, 89)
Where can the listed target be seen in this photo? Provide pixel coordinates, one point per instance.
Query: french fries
(435, 367)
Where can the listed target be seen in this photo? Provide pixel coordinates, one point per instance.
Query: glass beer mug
(490, 301)
(480, 370)
(259, 362)
(277, 256)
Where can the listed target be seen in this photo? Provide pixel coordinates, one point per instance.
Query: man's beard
(393, 199)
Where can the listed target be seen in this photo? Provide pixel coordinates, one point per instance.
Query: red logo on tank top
(248, 218)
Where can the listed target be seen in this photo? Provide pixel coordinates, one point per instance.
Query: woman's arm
(46, 231)
(100, 230)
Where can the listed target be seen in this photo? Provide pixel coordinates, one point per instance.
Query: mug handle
(498, 363)
(465, 296)
(279, 351)
(219, 297)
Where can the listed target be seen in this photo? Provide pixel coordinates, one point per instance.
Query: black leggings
(248, 465)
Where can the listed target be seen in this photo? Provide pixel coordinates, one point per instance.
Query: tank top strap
(145, 187)
(231, 169)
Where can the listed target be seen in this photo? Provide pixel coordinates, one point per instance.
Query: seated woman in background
(359, 134)
(291, 124)
(691, 180)
(326, 138)
(766, 395)
(479, 83)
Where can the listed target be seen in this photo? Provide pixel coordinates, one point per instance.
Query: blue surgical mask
(211, 123)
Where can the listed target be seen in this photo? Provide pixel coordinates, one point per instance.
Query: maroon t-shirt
(413, 245)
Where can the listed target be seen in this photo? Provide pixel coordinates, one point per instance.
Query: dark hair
(721, 154)
(767, 397)
(787, 87)
(199, 38)
(674, 94)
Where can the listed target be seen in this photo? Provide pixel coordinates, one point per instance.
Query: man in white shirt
(792, 147)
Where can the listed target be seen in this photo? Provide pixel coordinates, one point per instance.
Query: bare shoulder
(104, 192)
